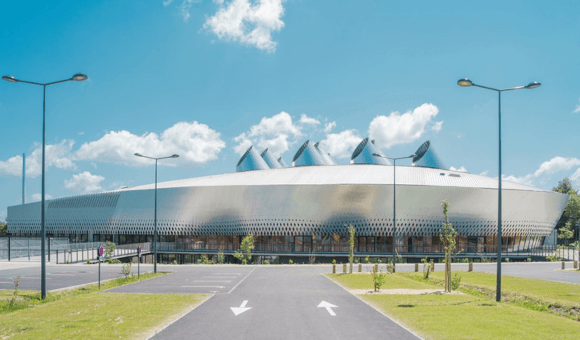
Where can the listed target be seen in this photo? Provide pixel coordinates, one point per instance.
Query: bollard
(333, 269)
(344, 268)
(432, 266)
(360, 268)
(350, 268)
(416, 267)
(575, 264)
(376, 268)
(563, 265)
(470, 266)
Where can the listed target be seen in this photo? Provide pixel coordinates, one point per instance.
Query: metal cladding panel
(270, 160)
(324, 154)
(305, 209)
(426, 156)
(308, 155)
(251, 160)
(363, 154)
(281, 160)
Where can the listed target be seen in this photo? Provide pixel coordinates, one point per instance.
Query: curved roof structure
(324, 154)
(363, 154)
(251, 160)
(270, 160)
(427, 157)
(281, 161)
(308, 155)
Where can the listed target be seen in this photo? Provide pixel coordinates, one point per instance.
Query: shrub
(88, 261)
(221, 257)
(379, 279)
(266, 262)
(367, 260)
(455, 281)
(333, 261)
(205, 260)
(67, 262)
(290, 261)
(126, 270)
(109, 248)
(507, 259)
(244, 261)
(529, 259)
(16, 289)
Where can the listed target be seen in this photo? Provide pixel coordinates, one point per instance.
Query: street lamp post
(394, 202)
(468, 83)
(155, 213)
(76, 77)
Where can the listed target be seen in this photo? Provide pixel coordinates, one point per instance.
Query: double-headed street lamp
(155, 213)
(394, 202)
(76, 77)
(468, 83)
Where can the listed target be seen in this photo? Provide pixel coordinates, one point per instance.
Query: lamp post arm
(487, 88)
(57, 82)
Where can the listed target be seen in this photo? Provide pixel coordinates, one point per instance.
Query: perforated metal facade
(320, 200)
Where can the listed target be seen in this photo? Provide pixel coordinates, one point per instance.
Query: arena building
(307, 208)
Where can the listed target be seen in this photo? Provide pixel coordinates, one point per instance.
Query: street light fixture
(533, 85)
(11, 79)
(394, 202)
(155, 213)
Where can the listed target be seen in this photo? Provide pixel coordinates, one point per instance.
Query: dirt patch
(403, 292)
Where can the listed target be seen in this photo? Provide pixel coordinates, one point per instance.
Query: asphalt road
(282, 302)
(61, 276)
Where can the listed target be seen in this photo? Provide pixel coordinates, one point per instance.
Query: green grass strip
(28, 298)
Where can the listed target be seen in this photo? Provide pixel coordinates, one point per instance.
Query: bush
(67, 262)
(205, 260)
(507, 259)
(113, 261)
(266, 262)
(333, 261)
(126, 270)
(379, 279)
(529, 259)
(88, 261)
(290, 261)
(455, 281)
(244, 261)
(221, 257)
(367, 260)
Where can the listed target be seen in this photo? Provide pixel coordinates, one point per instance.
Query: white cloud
(554, 165)
(304, 119)
(577, 108)
(84, 183)
(576, 176)
(247, 22)
(36, 197)
(167, 2)
(483, 173)
(402, 128)
(525, 180)
(195, 143)
(57, 155)
(272, 132)
(461, 168)
(557, 164)
(341, 145)
(329, 126)
(437, 126)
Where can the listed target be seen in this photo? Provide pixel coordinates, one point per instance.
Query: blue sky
(206, 79)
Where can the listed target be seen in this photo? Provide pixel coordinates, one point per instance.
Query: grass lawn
(555, 292)
(364, 281)
(87, 313)
(461, 316)
(96, 316)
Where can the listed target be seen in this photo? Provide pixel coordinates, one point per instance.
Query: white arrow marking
(328, 307)
(241, 309)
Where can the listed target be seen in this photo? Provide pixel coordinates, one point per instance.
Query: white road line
(242, 279)
(373, 307)
(207, 281)
(226, 273)
(202, 286)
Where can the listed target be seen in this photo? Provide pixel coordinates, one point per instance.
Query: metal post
(49, 249)
(394, 214)
(499, 235)
(99, 273)
(8, 248)
(155, 224)
(42, 230)
(23, 178)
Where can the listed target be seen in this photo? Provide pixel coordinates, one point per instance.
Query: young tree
(109, 248)
(3, 228)
(566, 232)
(244, 254)
(571, 213)
(351, 231)
(448, 236)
